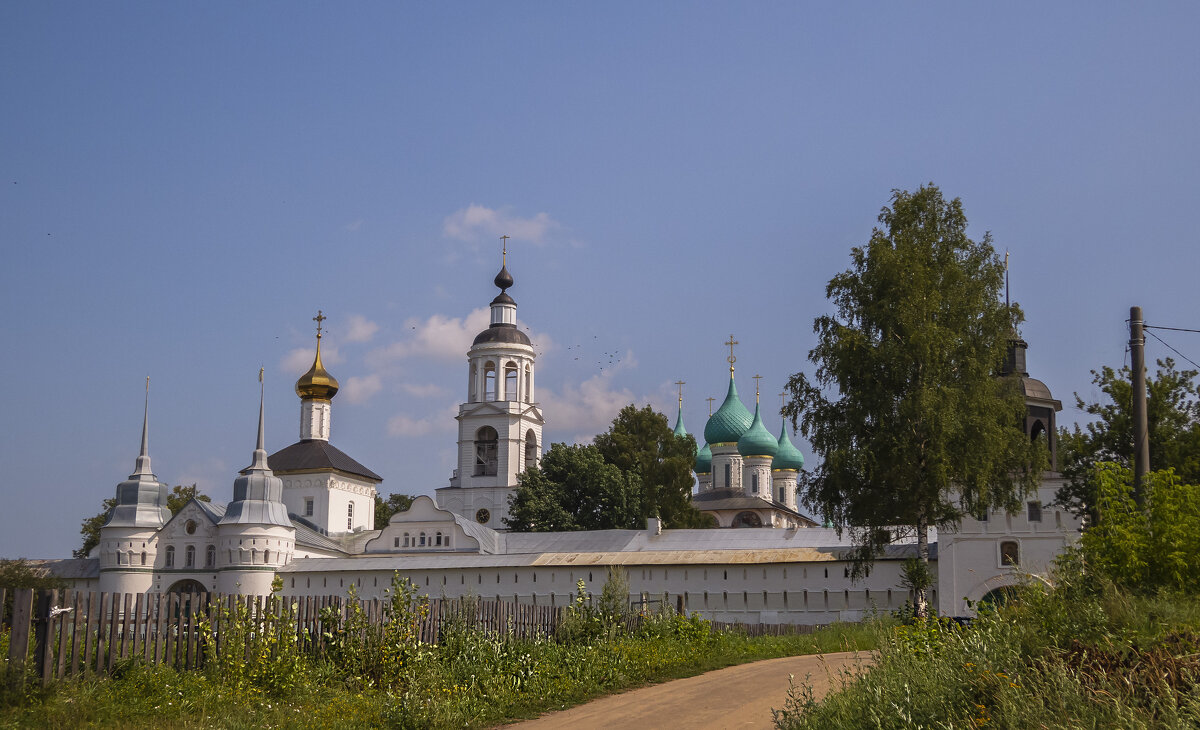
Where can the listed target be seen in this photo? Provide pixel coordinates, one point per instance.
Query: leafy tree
(1173, 420)
(181, 495)
(917, 429)
(573, 488)
(21, 573)
(90, 528)
(385, 509)
(640, 441)
(1149, 548)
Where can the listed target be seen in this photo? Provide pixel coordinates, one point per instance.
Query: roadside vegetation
(471, 678)
(1114, 644)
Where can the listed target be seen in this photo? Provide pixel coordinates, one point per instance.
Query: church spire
(257, 492)
(680, 431)
(143, 460)
(260, 449)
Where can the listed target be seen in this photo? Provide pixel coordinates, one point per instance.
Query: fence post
(18, 640)
(44, 645)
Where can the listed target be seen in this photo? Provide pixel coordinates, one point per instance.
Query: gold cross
(319, 319)
(757, 378)
(680, 383)
(504, 250)
(783, 400)
(710, 399)
(731, 358)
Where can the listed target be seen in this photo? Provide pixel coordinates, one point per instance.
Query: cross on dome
(319, 319)
(732, 359)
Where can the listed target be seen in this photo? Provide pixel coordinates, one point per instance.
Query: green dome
(730, 421)
(788, 456)
(704, 461)
(680, 431)
(757, 441)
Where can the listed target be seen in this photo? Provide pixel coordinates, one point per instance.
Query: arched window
(438, 539)
(528, 384)
(189, 559)
(169, 560)
(531, 449)
(486, 443)
(422, 539)
(210, 556)
(1010, 553)
(489, 381)
(728, 476)
(406, 541)
(747, 519)
(510, 381)
(754, 482)
(143, 557)
(266, 556)
(350, 516)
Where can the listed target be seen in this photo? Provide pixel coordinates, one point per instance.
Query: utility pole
(1141, 439)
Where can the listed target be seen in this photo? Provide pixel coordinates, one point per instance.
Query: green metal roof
(704, 461)
(730, 421)
(679, 429)
(788, 456)
(757, 440)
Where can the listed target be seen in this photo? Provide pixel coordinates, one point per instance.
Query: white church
(306, 514)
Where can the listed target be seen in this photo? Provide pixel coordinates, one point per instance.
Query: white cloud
(443, 338)
(428, 390)
(403, 425)
(474, 221)
(298, 361)
(587, 408)
(360, 329)
(353, 226)
(359, 390)
(442, 420)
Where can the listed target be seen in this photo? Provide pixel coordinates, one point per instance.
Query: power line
(1177, 352)
(1176, 329)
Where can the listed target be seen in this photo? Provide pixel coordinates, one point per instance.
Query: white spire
(143, 459)
(260, 449)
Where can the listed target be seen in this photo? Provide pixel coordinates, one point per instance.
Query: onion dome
(788, 456)
(317, 383)
(680, 431)
(504, 279)
(757, 440)
(704, 461)
(730, 421)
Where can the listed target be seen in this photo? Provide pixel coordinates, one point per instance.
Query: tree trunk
(921, 598)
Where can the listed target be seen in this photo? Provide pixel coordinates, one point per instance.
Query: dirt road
(734, 697)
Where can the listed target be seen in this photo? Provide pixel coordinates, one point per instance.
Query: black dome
(504, 279)
(502, 333)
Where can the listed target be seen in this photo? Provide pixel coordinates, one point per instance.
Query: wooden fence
(54, 634)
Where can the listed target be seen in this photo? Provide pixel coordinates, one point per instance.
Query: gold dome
(317, 383)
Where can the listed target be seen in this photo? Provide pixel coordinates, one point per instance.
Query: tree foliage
(640, 441)
(384, 509)
(1173, 420)
(1149, 548)
(912, 425)
(90, 527)
(573, 488)
(21, 573)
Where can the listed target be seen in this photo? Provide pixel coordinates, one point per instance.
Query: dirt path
(734, 697)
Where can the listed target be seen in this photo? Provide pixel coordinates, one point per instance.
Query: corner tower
(500, 424)
(129, 539)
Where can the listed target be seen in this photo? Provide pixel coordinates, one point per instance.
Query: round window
(483, 516)
(190, 526)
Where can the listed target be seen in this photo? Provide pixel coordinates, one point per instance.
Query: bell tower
(500, 424)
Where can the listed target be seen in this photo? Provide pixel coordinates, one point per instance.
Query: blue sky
(185, 185)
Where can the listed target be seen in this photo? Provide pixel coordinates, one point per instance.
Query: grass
(473, 679)
(1085, 655)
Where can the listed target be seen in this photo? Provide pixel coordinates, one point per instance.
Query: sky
(184, 186)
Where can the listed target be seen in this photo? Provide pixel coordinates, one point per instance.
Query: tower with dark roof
(323, 487)
(500, 424)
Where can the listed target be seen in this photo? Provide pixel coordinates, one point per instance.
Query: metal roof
(312, 454)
